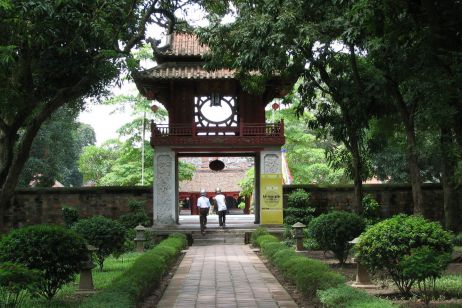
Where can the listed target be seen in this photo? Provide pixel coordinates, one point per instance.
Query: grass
(458, 249)
(450, 286)
(66, 297)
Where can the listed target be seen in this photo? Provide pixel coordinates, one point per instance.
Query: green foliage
(70, 216)
(257, 233)
(298, 209)
(305, 152)
(144, 276)
(424, 266)
(346, 296)
(105, 234)
(247, 183)
(449, 286)
(307, 274)
(266, 238)
(16, 281)
(55, 150)
(457, 241)
(55, 251)
(371, 208)
(136, 216)
(334, 230)
(298, 198)
(387, 244)
(294, 215)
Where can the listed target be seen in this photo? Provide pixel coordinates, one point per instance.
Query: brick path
(224, 276)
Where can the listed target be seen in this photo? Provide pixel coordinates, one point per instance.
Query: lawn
(67, 297)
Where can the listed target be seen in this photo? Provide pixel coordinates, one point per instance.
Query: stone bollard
(140, 238)
(86, 277)
(298, 230)
(363, 280)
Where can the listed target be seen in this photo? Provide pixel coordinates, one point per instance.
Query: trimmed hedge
(307, 274)
(144, 276)
(313, 277)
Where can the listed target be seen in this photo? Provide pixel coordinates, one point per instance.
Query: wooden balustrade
(246, 133)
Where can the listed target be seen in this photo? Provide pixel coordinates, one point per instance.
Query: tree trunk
(407, 116)
(414, 170)
(13, 171)
(452, 216)
(357, 170)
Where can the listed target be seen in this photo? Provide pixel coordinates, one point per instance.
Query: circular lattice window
(216, 111)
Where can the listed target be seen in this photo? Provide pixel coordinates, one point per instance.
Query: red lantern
(275, 106)
(154, 108)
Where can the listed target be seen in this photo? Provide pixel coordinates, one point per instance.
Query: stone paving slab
(227, 276)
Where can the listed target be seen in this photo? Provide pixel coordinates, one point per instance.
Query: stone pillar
(269, 163)
(165, 187)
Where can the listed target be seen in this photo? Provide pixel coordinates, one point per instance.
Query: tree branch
(144, 20)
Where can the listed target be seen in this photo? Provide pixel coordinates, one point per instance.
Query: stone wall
(43, 205)
(393, 199)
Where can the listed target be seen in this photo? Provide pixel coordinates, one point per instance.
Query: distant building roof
(209, 180)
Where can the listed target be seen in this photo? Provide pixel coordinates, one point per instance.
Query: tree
(55, 53)
(306, 154)
(55, 151)
(416, 48)
(119, 163)
(302, 39)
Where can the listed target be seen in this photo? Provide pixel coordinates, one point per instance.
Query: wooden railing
(245, 130)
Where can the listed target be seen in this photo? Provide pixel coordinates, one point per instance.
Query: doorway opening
(226, 172)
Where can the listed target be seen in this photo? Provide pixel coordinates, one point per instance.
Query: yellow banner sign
(271, 199)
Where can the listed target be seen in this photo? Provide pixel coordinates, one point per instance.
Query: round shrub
(387, 246)
(55, 251)
(105, 234)
(334, 230)
(298, 198)
(298, 209)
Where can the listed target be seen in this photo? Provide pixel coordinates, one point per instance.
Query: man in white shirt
(220, 199)
(203, 204)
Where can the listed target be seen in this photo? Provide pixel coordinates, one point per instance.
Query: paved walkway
(224, 276)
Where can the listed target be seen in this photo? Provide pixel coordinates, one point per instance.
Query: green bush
(70, 216)
(144, 276)
(15, 281)
(424, 266)
(457, 240)
(307, 274)
(55, 251)
(386, 245)
(266, 238)
(371, 210)
(346, 296)
(137, 215)
(298, 198)
(334, 230)
(255, 234)
(107, 235)
(294, 215)
(298, 209)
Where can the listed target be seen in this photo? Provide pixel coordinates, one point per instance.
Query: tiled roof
(173, 70)
(183, 44)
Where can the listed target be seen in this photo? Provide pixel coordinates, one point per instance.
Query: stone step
(217, 241)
